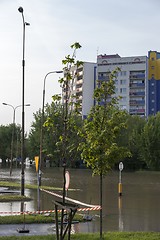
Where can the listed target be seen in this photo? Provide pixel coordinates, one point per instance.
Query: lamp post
(13, 128)
(41, 132)
(42, 118)
(20, 9)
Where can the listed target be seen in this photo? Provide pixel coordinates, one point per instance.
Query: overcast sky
(126, 27)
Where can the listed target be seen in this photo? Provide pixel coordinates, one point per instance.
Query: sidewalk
(34, 229)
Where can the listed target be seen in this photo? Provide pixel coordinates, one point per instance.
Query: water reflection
(136, 210)
(120, 214)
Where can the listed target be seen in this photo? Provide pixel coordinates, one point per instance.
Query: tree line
(140, 136)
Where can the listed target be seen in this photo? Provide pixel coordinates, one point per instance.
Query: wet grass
(17, 219)
(29, 186)
(36, 218)
(94, 236)
(13, 185)
(13, 198)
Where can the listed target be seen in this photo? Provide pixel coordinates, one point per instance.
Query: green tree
(150, 145)
(34, 135)
(131, 137)
(100, 131)
(61, 120)
(53, 131)
(55, 126)
(6, 138)
(70, 108)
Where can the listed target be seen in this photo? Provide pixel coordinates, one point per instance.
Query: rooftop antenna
(97, 51)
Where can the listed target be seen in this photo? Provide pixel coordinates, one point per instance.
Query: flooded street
(137, 209)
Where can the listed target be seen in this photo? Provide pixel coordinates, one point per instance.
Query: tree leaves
(101, 129)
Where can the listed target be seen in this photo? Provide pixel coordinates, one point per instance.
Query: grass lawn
(95, 236)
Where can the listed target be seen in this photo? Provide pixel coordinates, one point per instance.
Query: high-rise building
(137, 82)
(130, 82)
(81, 87)
(153, 82)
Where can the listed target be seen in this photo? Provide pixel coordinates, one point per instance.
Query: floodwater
(137, 210)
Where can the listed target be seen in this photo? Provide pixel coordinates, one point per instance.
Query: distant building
(131, 81)
(138, 82)
(81, 87)
(153, 82)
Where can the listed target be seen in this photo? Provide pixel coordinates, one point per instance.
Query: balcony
(137, 110)
(79, 89)
(137, 94)
(103, 78)
(136, 85)
(136, 102)
(137, 76)
(79, 86)
(79, 82)
(80, 77)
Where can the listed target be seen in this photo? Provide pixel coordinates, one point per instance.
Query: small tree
(70, 110)
(70, 102)
(103, 125)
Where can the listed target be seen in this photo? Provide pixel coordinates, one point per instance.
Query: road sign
(67, 176)
(121, 166)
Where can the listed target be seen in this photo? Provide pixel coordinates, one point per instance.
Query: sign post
(120, 178)
(38, 181)
(67, 177)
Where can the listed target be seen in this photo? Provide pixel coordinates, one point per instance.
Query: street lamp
(42, 118)
(13, 128)
(42, 122)
(20, 9)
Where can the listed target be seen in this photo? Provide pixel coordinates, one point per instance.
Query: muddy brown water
(137, 210)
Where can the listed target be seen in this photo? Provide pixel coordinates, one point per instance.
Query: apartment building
(138, 82)
(153, 82)
(81, 87)
(131, 81)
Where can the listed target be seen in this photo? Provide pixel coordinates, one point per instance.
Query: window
(122, 82)
(123, 73)
(123, 99)
(123, 90)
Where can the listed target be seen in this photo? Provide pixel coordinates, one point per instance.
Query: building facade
(130, 83)
(137, 82)
(153, 82)
(81, 88)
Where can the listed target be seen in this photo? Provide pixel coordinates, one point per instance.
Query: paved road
(34, 229)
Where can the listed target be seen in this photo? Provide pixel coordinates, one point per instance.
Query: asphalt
(33, 229)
